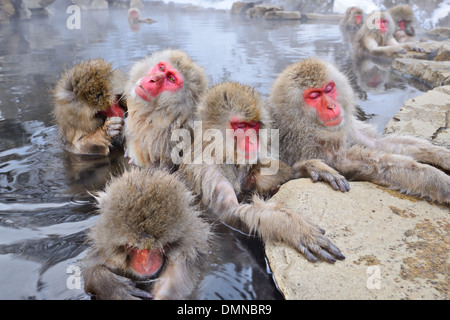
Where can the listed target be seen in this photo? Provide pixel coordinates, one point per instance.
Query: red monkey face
(162, 77)
(324, 101)
(144, 262)
(382, 25)
(402, 24)
(358, 19)
(246, 134)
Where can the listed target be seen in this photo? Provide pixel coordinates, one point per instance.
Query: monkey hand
(107, 285)
(276, 223)
(313, 243)
(113, 126)
(413, 47)
(318, 170)
(399, 50)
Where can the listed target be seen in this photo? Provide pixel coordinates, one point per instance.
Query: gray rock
(240, 8)
(396, 246)
(426, 116)
(436, 73)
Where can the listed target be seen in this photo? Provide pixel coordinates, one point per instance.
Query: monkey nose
(156, 77)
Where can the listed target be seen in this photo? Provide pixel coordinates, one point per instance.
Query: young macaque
(312, 104)
(232, 114)
(88, 108)
(162, 94)
(353, 18)
(134, 17)
(403, 18)
(149, 240)
(376, 37)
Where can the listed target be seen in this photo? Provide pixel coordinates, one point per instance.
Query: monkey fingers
(319, 245)
(113, 126)
(399, 50)
(337, 181)
(413, 47)
(125, 289)
(319, 170)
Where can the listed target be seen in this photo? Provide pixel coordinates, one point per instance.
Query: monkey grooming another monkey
(235, 111)
(162, 95)
(376, 37)
(403, 17)
(149, 239)
(88, 109)
(312, 104)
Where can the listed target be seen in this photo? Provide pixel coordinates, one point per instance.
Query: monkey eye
(329, 88)
(238, 125)
(314, 95)
(171, 78)
(253, 124)
(162, 68)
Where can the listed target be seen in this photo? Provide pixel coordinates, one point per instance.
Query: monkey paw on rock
(315, 244)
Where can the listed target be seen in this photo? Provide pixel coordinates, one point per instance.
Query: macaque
(162, 95)
(89, 108)
(312, 104)
(353, 18)
(234, 111)
(134, 17)
(376, 37)
(149, 240)
(403, 18)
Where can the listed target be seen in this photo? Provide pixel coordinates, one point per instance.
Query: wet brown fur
(80, 93)
(146, 209)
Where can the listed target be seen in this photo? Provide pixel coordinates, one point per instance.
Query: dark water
(45, 205)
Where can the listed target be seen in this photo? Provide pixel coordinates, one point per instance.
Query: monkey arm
(268, 220)
(268, 183)
(106, 285)
(394, 171)
(274, 223)
(178, 279)
(419, 149)
(99, 141)
(373, 48)
(319, 170)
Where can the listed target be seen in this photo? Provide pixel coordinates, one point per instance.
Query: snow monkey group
(152, 236)
(381, 34)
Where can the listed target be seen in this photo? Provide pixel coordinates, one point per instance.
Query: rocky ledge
(425, 116)
(396, 246)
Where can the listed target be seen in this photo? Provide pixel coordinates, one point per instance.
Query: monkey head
(167, 79)
(144, 216)
(313, 91)
(403, 17)
(92, 82)
(356, 16)
(235, 108)
(380, 25)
